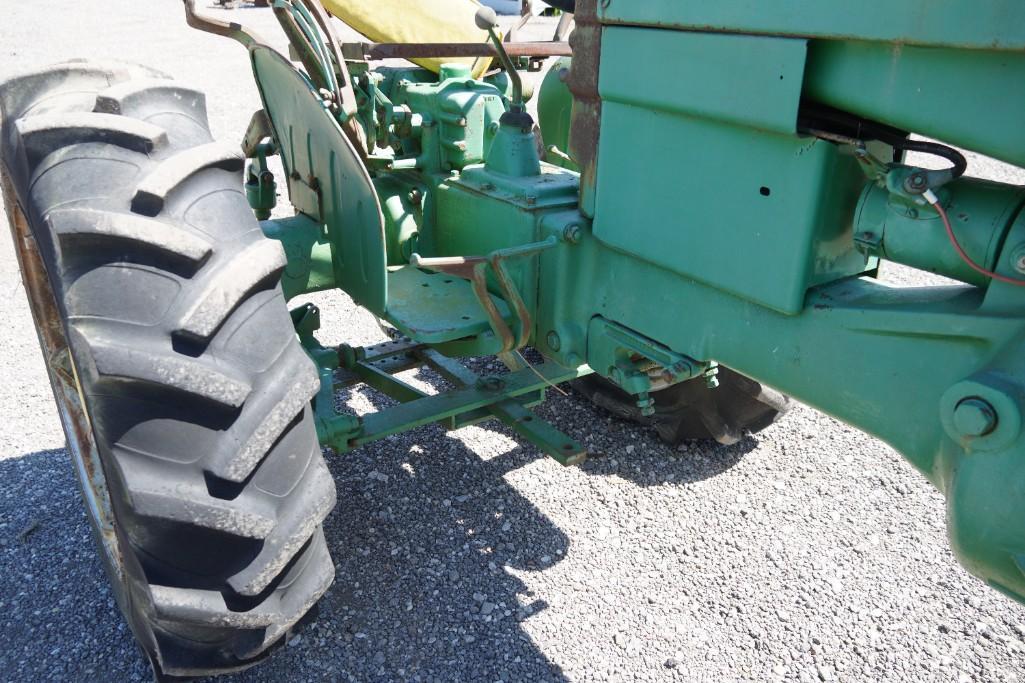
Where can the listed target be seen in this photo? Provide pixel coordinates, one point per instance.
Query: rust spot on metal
(221, 28)
(513, 297)
(582, 81)
(455, 50)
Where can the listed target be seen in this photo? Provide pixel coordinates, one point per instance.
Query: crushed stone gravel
(810, 552)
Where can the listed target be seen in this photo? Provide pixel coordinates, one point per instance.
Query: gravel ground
(809, 552)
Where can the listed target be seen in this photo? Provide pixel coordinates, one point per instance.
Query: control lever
(487, 20)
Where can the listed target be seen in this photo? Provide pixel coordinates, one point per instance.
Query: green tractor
(689, 246)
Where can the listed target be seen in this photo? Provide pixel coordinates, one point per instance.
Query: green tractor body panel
(908, 86)
(729, 98)
(555, 113)
(721, 182)
(326, 179)
(954, 23)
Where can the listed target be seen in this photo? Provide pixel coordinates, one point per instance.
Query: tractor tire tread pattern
(172, 172)
(139, 233)
(196, 386)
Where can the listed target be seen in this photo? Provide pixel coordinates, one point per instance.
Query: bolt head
(974, 417)
(572, 233)
(554, 342)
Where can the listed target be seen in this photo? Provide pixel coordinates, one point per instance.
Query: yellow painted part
(416, 21)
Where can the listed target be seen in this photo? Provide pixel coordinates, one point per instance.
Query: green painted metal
(974, 417)
(997, 24)
(435, 308)
(621, 350)
(636, 363)
(261, 187)
(873, 356)
(514, 150)
(327, 181)
(563, 449)
(476, 399)
(458, 119)
(718, 229)
(510, 336)
(899, 229)
(416, 120)
(332, 427)
(403, 207)
(790, 210)
(906, 86)
(310, 266)
(514, 412)
(747, 81)
(554, 113)
(487, 393)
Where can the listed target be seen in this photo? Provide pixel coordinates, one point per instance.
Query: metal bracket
(640, 365)
(261, 187)
(258, 130)
(475, 399)
(515, 414)
(221, 28)
(869, 243)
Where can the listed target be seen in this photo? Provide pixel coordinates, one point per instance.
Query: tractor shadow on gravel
(427, 539)
(621, 448)
(58, 619)
(423, 538)
(653, 463)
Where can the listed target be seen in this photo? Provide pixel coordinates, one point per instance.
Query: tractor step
(436, 307)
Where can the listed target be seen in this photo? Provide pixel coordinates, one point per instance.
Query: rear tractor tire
(183, 391)
(691, 410)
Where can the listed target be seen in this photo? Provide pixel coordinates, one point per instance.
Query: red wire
(965, 257)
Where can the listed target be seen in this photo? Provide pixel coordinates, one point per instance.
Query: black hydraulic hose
(814, 117)
(960, 164)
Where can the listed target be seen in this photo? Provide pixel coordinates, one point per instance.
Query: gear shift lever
(487, 20)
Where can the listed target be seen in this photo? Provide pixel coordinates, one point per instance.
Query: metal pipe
(459, 50)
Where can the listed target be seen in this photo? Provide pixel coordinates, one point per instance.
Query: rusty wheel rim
(67, 388)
